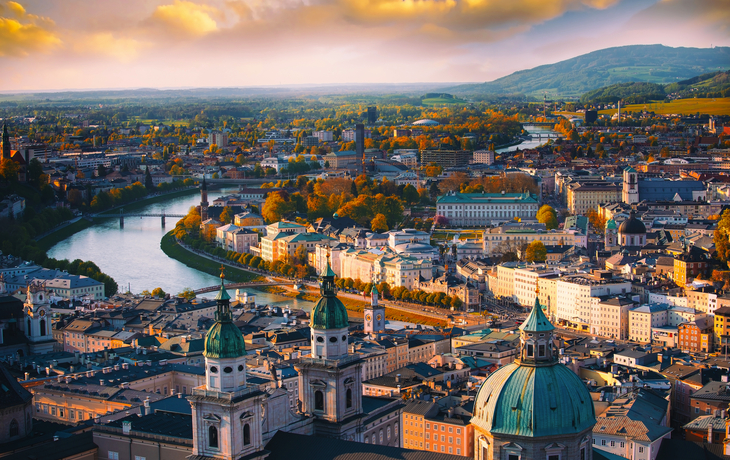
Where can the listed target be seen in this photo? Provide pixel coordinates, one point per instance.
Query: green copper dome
(537, 321)
(224, 339)
(329, 313)
(611, 225)
(534, 401)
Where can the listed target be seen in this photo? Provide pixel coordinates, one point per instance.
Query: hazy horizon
(75, 45)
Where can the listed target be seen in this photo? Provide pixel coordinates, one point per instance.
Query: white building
(323, 136)
(574, 297)
(484, 157)
(479, 209)
(219, 139)
(525, 282)
(274, 162)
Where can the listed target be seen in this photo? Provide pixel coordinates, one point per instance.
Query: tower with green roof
(330, 379)
(535, 408)
(226, 411)
(611, 237)
(630, 188)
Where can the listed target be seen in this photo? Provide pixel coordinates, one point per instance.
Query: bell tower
(374, 314)
(330, 380)
(226, 410)
(203, 201)
(37, 320)
(630, 190)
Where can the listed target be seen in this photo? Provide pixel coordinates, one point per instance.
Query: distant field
(442, 101)
(569, 114)
(709, 106)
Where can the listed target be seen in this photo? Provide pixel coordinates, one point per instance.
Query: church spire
(223, 314)
(6, 141)
(536, 337)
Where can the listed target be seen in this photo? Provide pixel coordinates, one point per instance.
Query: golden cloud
(22, 34)
(186, 18)
(106, 44)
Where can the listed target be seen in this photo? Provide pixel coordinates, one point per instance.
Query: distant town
(489, 280)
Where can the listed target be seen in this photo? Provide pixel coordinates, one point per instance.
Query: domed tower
(632, 232)
(226, 411)
(534, 408)
(37, 322)
(330, 387)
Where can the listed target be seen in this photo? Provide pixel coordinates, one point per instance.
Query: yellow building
(722, 326)
(585, 196)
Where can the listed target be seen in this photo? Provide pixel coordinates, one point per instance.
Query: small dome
(534, 402)
(224, 340)
(329, 313)
(426, 122)
(632, 226)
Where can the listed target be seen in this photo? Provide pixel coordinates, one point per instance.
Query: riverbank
(62, 232)
(172, 249)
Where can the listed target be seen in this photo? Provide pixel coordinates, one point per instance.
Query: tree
(536, 252)
(509, 256)
(149, 185)
(597, 221)
(722, 237)
(300, 255)
(379, 224)
(410, 194)
(187, 293)
(8, 170)
(546, 215)
(158, 292)
(226, 216)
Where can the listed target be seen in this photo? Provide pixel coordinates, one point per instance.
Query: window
(641, 450)
(113, 455)
(613, 443)
(530, 349)
(367, 439)
(14, 428)
(380, 437)
(451, 429)
(318, 400)
(388, 433)
(621, 444)
(246, 434)
(139, 457)
(603, 442)
(583, 453)
(513, 457)
(553, 457)
(348, 399)
(213, 437)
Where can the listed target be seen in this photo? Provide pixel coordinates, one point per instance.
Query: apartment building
(610, 316)
(526, 282)
(584, 196)
(721, 327)
(269, 248)
(425, 428)
(696, 336)
(644, 318)
(575, 292)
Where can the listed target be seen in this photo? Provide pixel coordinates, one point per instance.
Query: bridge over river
(160, 215)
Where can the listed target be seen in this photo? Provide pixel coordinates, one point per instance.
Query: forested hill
(714, 84)
(636, 63)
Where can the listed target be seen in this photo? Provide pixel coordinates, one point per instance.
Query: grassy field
(448, 235)
(173, 250)
(709, 106)
(48, 241)
(442, 101)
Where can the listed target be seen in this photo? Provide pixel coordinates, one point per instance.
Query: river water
(531, 144)
(132, 255)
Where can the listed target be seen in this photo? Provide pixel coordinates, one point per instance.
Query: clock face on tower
(379, 317)
(43, 313)
(368, 317)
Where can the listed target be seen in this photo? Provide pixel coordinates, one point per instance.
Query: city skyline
(56, 45)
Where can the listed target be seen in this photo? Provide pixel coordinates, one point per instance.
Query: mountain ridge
(605, 67)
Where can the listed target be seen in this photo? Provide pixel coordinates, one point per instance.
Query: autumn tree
(536, 252)
(226, 216)
(546, 215)
(598, 222)
(8, 170)
(158, 292)
(379, 224)
(722, 237)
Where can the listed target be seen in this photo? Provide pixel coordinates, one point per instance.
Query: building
(481, 209)
(425, 428)
(582, 196)
(323, 136)
(446, 158)
(511, 236)
(689, 264)
(275, 231)
(374, 315)
(611, 316)
(348, 135)
(643, 319)
(233, 238)
(16, 409)
(484, 157)
(534, 408)
(343, 159)
(696, 336)
(574, 294)
(372, 115)
(219, 139)
(275, 163)
(37, 321)
(722, 328)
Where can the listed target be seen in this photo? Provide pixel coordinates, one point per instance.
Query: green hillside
(714, 85)
(638, 63)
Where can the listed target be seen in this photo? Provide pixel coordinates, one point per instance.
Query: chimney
(102, 382)
(709, 432)
(125, 366)
(397, 378)
(27, 376)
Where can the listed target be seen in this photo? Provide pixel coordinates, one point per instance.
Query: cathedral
(232, 419)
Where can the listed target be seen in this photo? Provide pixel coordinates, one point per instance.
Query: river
(531, 144)
(132, 255)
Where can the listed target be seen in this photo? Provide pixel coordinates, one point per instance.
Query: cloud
(22, 34)
(185, 18)
(106, 44)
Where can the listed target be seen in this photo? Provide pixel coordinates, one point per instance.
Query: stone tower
(227, 421)
(203, 201)
(534, 408)
(374, 314)
(630, 190)
(6, 142)
(330, 387)
(37, 321)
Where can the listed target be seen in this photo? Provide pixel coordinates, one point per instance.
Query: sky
(109, 44)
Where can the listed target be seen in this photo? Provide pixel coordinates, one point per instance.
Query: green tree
(546, 215)
(149, 185)
(536, 252)
(8, 170)
(410, 194)
(187, 293)
(158, 292)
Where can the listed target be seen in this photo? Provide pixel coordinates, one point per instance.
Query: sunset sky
(78, 44)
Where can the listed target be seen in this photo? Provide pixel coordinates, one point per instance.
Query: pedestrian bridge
(252, 284)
